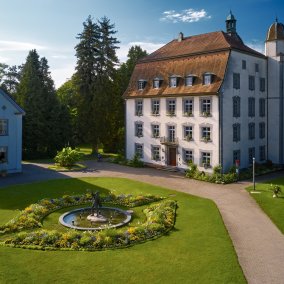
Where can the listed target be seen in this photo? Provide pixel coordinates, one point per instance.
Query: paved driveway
(258, 242)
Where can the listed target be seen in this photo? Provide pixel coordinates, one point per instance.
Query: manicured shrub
(67, 157)
(135, 162)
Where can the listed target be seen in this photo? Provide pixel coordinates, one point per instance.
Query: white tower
(274, 50)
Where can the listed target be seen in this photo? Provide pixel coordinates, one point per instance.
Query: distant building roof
(275, 32)
(11, 100)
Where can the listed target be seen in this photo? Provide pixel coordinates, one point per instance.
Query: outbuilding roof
(11, 100)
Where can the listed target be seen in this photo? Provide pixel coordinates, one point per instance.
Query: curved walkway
(258, 242)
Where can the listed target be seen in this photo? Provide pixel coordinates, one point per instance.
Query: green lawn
(198, 250)
(273, 207)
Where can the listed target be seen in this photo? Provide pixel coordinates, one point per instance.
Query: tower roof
(231, 17)
(275, 32)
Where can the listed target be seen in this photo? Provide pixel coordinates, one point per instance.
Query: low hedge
(160, 218)
(32, 215)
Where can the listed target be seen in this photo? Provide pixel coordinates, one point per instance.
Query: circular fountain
(82, 218)
(96, 217)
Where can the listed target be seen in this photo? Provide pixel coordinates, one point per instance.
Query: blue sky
(51, 26)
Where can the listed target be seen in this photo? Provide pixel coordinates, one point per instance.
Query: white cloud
(256, 45)
(185, 16)
(148, 46)
(61, 74)
(6, 45)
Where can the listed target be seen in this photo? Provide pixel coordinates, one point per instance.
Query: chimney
(180, 37)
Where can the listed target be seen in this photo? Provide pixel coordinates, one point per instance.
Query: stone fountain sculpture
(96, 208)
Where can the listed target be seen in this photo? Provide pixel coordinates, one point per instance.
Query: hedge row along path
(258, 242)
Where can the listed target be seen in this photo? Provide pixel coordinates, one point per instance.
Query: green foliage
(271, 201)
(217, 170)
(159, 219)
(135, 162)
(216, 177)
(276, 189)
(67, 157)
(46, 124)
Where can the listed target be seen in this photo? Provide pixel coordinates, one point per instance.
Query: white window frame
(155, 130)
(187, 156)
(206, 131)
(141, 84)
(188, 132)
(139, 107)
(4, 127)
(139, 150)
(189, 81)
(171, 107)
(156, 152)
(188, 104)
(173, 82)
(207, 78)
(155, 104)
(206, 159)
(4, 157)
(139, 129)
(205, 107)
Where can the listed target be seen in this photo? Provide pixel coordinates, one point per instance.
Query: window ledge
(206, 114)
(205, 140)
(188, 114)
(171, 114)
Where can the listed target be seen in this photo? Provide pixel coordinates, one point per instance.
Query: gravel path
(258, 242)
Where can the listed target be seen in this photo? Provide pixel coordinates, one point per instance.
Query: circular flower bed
(160, 218)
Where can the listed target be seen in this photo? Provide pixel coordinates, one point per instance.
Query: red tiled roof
(203, 43)
(198, 65)
(192, 55)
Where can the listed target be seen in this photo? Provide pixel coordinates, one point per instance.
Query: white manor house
(209, 99)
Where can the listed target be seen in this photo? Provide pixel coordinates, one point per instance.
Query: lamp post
(253, 173)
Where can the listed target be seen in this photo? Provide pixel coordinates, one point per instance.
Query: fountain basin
(81, 218)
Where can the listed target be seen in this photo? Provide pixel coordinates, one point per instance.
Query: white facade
(197, 121)
(255, 67)
(246, 118)
(274, 50)
(10, 134)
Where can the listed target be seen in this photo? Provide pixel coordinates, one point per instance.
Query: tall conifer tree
(42, 131)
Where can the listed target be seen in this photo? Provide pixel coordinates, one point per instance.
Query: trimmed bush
(67, 157)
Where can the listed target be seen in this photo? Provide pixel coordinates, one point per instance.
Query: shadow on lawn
(35, 183)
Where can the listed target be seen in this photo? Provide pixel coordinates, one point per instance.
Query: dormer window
(189, 80)
(141, 84)
(173, 81)
(157, 83)
(207, 78)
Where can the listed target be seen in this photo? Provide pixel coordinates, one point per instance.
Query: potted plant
(206, 139)
(188, 137)
(188, 113)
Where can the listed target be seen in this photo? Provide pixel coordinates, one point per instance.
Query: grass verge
(273, 207)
